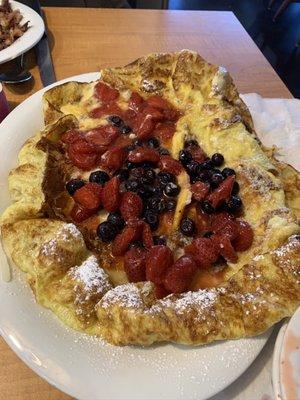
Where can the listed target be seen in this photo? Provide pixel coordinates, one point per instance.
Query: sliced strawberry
(105, 92)
(160, 291)
(111, 195)
(82, 154)
(203, 252)
(142, 154)
(158, 102)
(199, 190)
(171, 115)
(106, 109)
(135, 264)
(147, 237)
(80, 214)
(89, 196)
(158, 260)
(136, 101)
(71, 136)
(198, 154)
(144, 126)
(164, 131)
(123, 240)
(167, 163)
(113, 158)
(131, 206)
(103, 135)
(222, 192)
(224, 246)
(203, 222)
(179, 276)
(244, 237)
(225, 224)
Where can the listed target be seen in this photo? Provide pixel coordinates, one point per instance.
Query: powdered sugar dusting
(91, 276)
(127, 295)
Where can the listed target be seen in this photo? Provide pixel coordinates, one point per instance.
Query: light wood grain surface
(84, 40)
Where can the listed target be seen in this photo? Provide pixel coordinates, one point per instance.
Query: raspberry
(111, 195)
(244, 237)
(89, 196)
(131, 206)
(113, 158)
(123, 240)
(224, 246)
(222, 192)
(142, 154)
(135, 264)
(203, 252)
(179, 276)
(200, 190)
(167, 163)
(158, 260)
(147, 237)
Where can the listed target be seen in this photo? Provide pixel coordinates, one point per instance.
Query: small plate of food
(20, 29)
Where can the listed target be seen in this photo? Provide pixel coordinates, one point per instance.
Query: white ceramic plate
(30, 37)
(276, 362)
(86, 367)
(289, 361)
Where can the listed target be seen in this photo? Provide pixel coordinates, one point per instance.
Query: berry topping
(158, 260)
(159, 240)
(156, 204)
(115, 120)
(222, 192)
(192, 167)
(107, 231)
(245, 236)
(132, 185)
(116, 219)
(113, 158)
(122, 174)
(228, 172)
(199, 190)
(131, 206)
(80, 214)
(234, 204)
(236, 188)
(89, 196)
(207, 207)
(142, 154)
(102, 136)
(179, 276)
(105, 92)
(110, 195)
(99, 177)
(185, 157)
(153, 143)
(170, 204)
(73, 185)
(83, 154)
(191, 143)
(217, 159)
(167, 163)
(135, 264)
(224, 247)
(122, 241)
(215, 179)
(147, 236)
(203, 252)
(171, 189)
(187, 227)
(152, 219)
(165, 177)
(125, 129)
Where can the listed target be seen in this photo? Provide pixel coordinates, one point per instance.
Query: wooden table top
(84, 40)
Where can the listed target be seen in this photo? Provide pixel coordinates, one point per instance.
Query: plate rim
(18, 43)
(21, 354)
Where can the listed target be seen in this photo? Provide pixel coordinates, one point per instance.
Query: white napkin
(277, 122)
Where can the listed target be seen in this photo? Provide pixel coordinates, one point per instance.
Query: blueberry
(149, 176)
(137, 173)
(206, 165)
(74, 185)
(156, 204)
(146, 164)
(159, 240)
(122, 174)
(99, 177)
(166, 177)
(136, 244)
(217, 159)
(107, 231)
(152, 219)
(203, 176)
(235, 188)
(125, 129)
(145, 192)
(130, 147)
(132, 185)
(191, 143)
(228, 172)
(192, 168)
(208, 234)
(157, 191)
(187, 227)
(163, 152)
(170, 204)
(207, 207)
(137, 142)
(185, 157)
(116, 219)
(153, 142)
(234, 204)
(216, 179)
(172, 189)
(116, 120)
